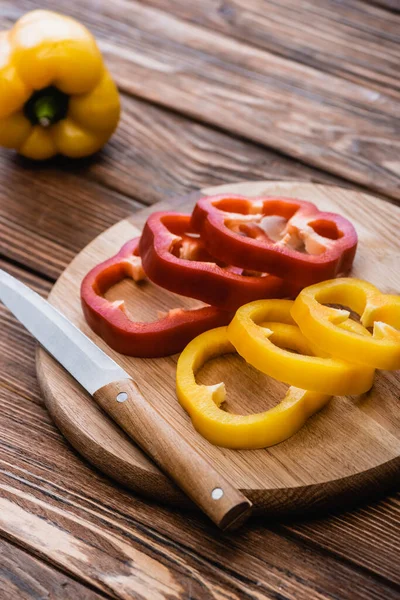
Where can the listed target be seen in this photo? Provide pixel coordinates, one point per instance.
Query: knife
(119, 396)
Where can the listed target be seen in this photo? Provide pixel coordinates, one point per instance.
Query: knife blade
(86, 362)
(116, 392)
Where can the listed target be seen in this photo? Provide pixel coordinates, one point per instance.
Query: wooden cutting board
(348, 452)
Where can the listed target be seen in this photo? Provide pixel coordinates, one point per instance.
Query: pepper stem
(47, 106)
(45, 110)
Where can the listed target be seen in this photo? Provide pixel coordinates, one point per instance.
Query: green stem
(46, 107)
(45, 110)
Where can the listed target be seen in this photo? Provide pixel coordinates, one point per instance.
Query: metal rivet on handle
(217, 494)
(122, 396)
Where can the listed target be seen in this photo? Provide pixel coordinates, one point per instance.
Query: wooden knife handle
(219, 499)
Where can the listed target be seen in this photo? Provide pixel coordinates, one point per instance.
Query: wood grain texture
(104, 559)
(310, 470)
(23, 577)
(360, 536)
(59, 477)
(392, 5)
(351, 39)
(346, 128)
(156, 154)
(265, 559)
(42, 223)
(262, 559)
(153, 155)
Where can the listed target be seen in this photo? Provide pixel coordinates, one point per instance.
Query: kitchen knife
(119, 396)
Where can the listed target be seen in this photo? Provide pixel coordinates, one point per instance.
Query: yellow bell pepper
(309, 369)
(56, 96)
(203, 402)
(334, 332)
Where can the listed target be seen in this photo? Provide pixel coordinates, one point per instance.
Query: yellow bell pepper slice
(56, 96)
(327, 326)
(203, 402)
(310, 369)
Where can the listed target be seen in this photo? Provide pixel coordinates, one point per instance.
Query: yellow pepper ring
(328, 325)
(56, 96)
(309, 369)
(203, 402)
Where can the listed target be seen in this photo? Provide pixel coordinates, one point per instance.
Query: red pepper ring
(303, 245)
(178, 262)
(165, 336)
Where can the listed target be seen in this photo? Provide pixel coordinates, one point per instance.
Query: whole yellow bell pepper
(219, 427)
(56, 96)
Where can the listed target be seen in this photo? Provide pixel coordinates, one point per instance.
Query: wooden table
(213, 91)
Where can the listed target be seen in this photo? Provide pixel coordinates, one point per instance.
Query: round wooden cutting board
(347, 452)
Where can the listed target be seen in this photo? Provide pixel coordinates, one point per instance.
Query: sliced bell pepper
(310, 368)
(56, 96)
(110, 321)
(286, 237)
(334, 332)
(203, 402)
(179, 262)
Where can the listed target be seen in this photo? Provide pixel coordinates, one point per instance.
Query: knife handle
(219, 499)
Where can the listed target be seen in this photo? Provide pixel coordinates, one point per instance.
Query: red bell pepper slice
(175, 260)
(165, 336)
(300, 243)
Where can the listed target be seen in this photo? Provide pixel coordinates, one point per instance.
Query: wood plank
(370, 528)
(156, 153)
(50, 480)
(43, 224)
(56, 507)
(24, 577)
(393, 5)
(112, 562)
(354, 40)
(153, 155)
(346, 128)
